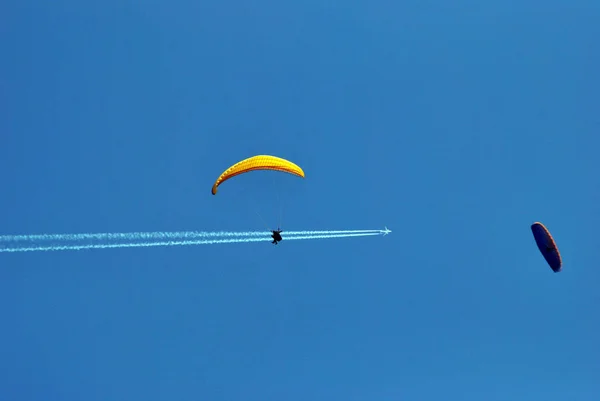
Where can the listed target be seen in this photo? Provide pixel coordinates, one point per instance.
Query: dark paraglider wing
(547, 246)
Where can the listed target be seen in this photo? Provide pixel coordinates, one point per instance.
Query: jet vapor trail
(184, 242)
(165, 235)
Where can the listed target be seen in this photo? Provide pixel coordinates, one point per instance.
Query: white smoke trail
(74, 247)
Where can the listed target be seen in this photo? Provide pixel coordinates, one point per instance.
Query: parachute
(547, 246)
(260, 162)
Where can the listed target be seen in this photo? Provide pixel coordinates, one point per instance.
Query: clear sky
(456, 124)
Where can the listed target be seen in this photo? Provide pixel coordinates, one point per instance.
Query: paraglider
(547, 246)
(260, 162)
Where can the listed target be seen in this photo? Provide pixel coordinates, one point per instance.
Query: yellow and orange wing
(260, 162)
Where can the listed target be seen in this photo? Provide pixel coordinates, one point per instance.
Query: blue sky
(456, 125)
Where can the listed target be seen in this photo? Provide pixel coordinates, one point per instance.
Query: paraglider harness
(276, 236)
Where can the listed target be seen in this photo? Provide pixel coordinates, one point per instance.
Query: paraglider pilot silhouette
(276, 236)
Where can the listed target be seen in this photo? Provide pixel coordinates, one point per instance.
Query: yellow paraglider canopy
(260, 162)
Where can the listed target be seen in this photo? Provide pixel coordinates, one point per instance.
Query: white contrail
(162, 235)
(74, 247)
